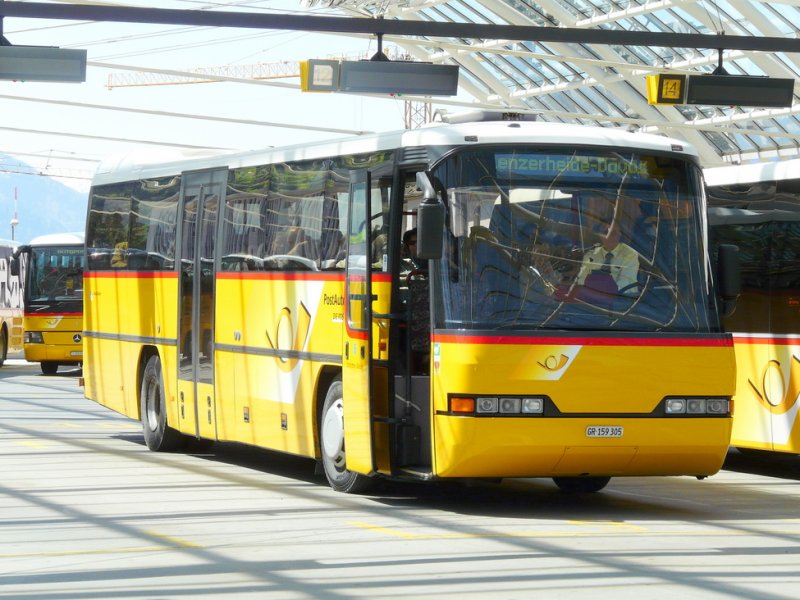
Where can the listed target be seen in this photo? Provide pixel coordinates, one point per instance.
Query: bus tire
(3, 346)
(49, 367)
(158, 435)
(581, 485)
(331, 445)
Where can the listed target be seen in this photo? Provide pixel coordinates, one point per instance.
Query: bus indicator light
(462, 405)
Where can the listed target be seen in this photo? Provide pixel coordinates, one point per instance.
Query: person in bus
(612, 260)
(413, 274)
(408, 253)
(609, 268)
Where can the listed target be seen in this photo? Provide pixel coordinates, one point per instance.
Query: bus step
(417, 472)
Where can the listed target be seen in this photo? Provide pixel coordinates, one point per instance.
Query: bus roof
(58, 239)
(149, 164)
(766, 171)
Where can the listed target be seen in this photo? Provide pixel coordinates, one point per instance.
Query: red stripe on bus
(280, 276)
(767, 339)
(53, 314)
(723, 341)
(299, 276)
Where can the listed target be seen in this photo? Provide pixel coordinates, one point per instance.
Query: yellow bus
(265, 298)
(757, 207)
(11, 323)
(53, 299)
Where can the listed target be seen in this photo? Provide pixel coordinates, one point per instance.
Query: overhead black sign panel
(720, 90)
(379, 77)
(733, 90)
(42, 63)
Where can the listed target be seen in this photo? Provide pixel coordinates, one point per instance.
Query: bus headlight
(488, 406)
(33, 337)
(719, 407)
(533, 406)
(509, 405)
(695, 406)
(675, 406)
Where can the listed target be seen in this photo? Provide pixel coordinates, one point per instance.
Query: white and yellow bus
(265, 298)
(11, 322)
(757, 207)
(53, 299)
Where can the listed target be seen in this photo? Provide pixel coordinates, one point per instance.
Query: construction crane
(416, 114)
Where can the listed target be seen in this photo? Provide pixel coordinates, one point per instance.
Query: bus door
(203, 193)
(364, 386)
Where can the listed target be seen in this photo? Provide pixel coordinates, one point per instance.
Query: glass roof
(605, 85)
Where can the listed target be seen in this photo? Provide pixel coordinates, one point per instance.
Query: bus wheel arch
(332, 446)
(158, 435)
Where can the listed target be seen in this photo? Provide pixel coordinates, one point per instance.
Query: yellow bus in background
(11, 325)
(53, 299)
(757, 207)
(267, 298)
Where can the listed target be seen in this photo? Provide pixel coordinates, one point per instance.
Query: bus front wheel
(581, 485)
(49, 367)
(158, 435)
(331, 442)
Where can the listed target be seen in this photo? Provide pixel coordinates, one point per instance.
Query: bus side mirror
(430, 221)
(13, 265)
(729, 277)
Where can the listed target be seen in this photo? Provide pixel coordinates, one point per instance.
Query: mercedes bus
(53, 299)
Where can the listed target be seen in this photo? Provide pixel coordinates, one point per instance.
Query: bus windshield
(55, 277)
(586, 239)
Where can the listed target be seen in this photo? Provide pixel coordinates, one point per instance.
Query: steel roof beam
(124, 14)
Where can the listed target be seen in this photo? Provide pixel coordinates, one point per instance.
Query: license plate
(604, 431)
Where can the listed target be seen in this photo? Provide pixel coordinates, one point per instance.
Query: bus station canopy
(605, 84)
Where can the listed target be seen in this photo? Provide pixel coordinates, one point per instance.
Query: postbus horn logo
(288, 343)
(774, 393)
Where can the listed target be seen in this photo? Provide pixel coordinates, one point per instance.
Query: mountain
(44, 205)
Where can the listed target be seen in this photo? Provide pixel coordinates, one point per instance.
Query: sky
(62, 131)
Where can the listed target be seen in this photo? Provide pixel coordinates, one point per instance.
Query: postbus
(53, 299)
(260, 298)
(757, 207)
(11, 324)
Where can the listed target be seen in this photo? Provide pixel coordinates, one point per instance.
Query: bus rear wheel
(49, 367)
(581, 485)
(331, 443)
(158, 435)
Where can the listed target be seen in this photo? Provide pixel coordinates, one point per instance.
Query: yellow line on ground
(173, 541)
(611, 524)
(87, 552)
(32, 444)
(625, 529)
